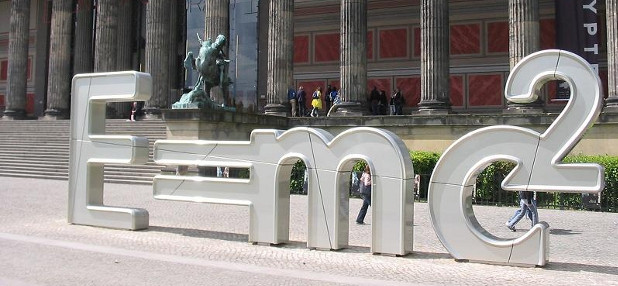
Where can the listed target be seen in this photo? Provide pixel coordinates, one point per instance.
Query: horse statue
(212, 65)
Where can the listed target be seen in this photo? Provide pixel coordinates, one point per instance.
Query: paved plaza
(204, 244)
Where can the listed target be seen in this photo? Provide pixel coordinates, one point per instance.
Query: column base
(529, 108)
(611, 105)
(152, 114)
(276, 109)
(14, 114)
(347, 109)
(610, 109)
(56, 114)
(433, 107)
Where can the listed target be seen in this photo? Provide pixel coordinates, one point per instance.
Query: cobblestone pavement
(203, 244)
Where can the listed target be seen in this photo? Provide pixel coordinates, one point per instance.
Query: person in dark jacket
(397, 103)
(382, 103)
(327, 99)
(374, 100)
(302, 101)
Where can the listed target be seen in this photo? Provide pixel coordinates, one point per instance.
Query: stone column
(174, 63)
(106, 36)
(124, 46)
(217, 22)
(124, 50)
(18, 60)
(83, 59)
(353, 66)
(105, 48)
(59, 76)
(435, 85)
(612, 53)
(157, 57)
(280, 57)
(523, 40)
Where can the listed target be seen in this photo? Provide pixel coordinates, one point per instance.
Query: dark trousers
(302, 109)
(363, 211)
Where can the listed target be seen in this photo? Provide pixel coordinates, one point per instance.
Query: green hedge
(424, 163)
(488, 189)
(297, 178)
(609, 195)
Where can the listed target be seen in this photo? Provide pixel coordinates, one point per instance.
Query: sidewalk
(202, 244)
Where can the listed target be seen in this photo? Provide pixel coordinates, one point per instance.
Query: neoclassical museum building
(446, 56)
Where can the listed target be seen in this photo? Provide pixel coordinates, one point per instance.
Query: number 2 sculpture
(538, 159)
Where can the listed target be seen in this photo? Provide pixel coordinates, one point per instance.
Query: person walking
(301, 101)
(525, 204)
(365, 192)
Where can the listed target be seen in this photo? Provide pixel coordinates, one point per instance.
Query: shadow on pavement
(577, 267)
(558, 231)
(241, 238)
(200, 233)
(429, 255)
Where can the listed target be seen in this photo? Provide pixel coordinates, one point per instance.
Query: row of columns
(112, 51)
(353, 66)
(523, 40)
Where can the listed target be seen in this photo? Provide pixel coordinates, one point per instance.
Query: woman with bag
(365, 192)
(316, 101)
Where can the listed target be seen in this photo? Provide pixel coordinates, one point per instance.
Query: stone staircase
(40, 149)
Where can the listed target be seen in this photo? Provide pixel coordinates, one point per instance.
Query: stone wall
(420, 133)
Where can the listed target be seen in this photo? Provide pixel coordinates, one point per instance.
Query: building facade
(444, 55)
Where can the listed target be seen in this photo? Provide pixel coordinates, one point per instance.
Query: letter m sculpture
(269, 157)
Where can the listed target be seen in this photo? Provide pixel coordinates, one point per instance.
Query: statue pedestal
(192, 105)
(216, 124)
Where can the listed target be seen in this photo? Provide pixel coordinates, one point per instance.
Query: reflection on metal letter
(538, 159)
(91, 148)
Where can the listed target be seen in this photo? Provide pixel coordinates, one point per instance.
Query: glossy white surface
(91, 149)
(538, 158)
